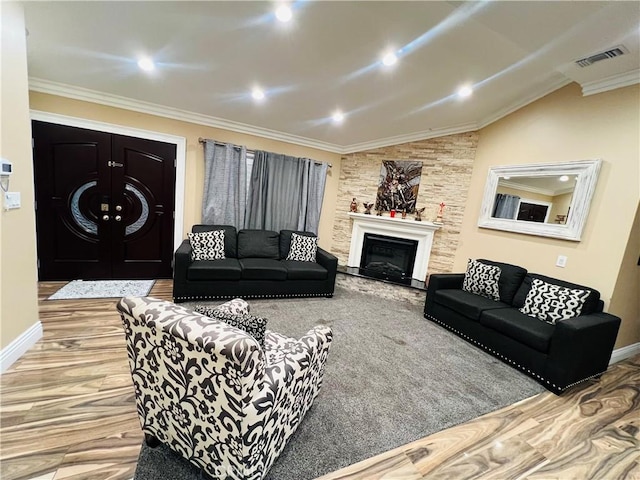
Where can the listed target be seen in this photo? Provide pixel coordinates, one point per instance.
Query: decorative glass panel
(142, 219)
(83, 222)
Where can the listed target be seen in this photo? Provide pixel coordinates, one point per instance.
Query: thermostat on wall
(6, 167)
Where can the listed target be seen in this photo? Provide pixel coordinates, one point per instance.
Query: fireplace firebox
(388, 258)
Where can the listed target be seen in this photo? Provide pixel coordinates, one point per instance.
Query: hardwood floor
(67, 412)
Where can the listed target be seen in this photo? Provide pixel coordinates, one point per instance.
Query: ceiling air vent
(614, 52)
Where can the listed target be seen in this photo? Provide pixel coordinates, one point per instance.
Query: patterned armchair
(211, 393)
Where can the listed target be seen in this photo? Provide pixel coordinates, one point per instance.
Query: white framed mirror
(547, 199)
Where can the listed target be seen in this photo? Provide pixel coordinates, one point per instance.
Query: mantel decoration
(353, 207)
(367, 207)
(398, 185)
(419, 213)
(440, 212)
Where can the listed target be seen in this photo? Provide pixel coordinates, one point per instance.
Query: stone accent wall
(446, 175)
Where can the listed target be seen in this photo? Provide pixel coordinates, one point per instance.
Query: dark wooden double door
(104, 204)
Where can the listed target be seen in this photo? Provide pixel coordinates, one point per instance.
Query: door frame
(179, 142)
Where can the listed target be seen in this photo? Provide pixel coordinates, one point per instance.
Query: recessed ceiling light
(465, 91)
(257, 93)
(337, 116)
(389, 59)
(146, 64)
(564, 178)
(284, 13)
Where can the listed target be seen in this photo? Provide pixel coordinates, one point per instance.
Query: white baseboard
(12, 352)
(625, 352)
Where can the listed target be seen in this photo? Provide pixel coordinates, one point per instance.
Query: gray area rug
(103, 289)
(392, 377)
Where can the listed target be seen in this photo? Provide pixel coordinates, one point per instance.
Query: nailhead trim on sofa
(221, 297)
(515, 364)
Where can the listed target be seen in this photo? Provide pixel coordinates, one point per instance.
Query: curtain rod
(202, 140)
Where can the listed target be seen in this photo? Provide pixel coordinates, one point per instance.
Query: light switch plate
(11, 200)
(561, 261)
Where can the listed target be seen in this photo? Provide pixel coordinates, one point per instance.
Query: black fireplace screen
(388, 258)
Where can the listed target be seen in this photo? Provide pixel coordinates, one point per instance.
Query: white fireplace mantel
(396, 227)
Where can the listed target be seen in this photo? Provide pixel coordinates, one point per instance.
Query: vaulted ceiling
(210, 55)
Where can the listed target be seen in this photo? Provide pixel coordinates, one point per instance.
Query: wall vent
(598, 57)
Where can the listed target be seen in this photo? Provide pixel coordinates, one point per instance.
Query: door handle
(117, 218)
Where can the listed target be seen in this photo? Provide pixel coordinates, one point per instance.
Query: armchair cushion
(237, 306)
(254, 326)
(207, 245)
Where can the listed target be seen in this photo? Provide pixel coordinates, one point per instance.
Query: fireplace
(418, 233)
(388, 258)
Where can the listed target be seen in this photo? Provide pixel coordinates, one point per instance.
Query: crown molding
(536, 95)
(410, 137)
(94, 96)
(611, 83)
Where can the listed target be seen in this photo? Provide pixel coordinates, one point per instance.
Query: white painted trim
(624, 352)
(611, 83)
(179, 142)
(93, 96)
(18, 347)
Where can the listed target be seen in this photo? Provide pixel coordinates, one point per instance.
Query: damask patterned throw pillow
(207, 245)
(254, 326)
(303, 248)
(552, 303)
(482, 279)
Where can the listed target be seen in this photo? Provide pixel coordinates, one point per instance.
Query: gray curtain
(285, 192)
(225, 184)
(506, 206)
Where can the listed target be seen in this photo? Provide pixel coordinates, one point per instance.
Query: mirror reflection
(541, 199)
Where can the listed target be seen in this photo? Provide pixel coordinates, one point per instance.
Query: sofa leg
(151, 441)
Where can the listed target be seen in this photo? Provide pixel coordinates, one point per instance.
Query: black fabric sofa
(255, 267)
(558, 356)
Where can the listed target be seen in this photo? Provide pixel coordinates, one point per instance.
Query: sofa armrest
(330, 262)
(441, 281)
(182, 260)
(327, 260)
(581, 347)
